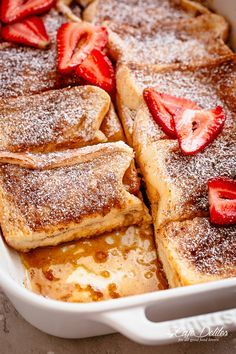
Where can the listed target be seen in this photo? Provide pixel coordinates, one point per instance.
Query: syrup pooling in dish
(116, 264)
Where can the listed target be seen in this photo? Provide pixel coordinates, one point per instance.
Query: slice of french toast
(196, 40)
(209, 85)
(195, 251)
(62, 196)
(58, 119)
(177, 184)
(136, 13)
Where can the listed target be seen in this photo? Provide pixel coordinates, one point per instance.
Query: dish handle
(134, 324)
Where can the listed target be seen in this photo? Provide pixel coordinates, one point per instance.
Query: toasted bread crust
(55, 120)
(177, 183)
(209, 84)
(197, 40)
(148, 13)
(66, 196)
(194, 251)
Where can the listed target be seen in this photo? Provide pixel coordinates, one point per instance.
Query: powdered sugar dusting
(211, 249)
(166, 44)
(25, 70)
(138, 12)
(189, 174)
(66, 194)
(209, 86)
(54, 119)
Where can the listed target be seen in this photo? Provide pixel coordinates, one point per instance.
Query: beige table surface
(19, 337)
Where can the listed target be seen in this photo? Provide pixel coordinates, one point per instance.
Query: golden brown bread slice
(62, 196)
(194, 251)
(25, 70)
(209, 84)
(58, 119)
(177, 184)
(115, 264)
(196, 40)
(135, 12)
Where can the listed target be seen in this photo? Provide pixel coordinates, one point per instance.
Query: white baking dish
(194, 308)
(184, 308)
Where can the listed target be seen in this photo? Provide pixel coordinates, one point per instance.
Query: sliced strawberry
(31, 32)
(15, 10)
(163, 107)
(75, 41)
(222, 200)
(196, 129)
(97, 69)
(159, 112)
(176, 105)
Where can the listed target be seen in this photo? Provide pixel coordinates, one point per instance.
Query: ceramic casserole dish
(155, 318)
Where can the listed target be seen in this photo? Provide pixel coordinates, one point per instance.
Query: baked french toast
(208, 85)
(195, 251)
(177, 184)
(57, 197)
(26, 71)
(58, 119)
(135, 12)
(165, 66)
(197, 40)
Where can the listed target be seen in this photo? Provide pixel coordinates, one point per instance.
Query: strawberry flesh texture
(30, 32)
(196, 129)
(175, 105)
(164, 107)
(222, 200)
(159, 112)
(15, 10)
(97, 70)
(76, 41)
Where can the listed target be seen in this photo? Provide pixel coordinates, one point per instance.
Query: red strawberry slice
(75, 41)
(222, 200)
(97, 69)
(196, 129)
(15, 10)
(176, 105)
(163, 107)
(31, 32)
(159, 112)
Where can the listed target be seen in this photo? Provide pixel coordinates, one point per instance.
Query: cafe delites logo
(196, 335)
